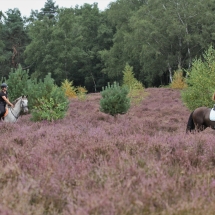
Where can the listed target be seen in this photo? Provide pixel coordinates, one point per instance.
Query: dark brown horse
(199, 120)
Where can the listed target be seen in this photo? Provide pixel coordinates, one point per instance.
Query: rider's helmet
(3, 85)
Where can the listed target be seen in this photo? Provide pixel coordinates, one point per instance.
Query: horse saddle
(212, 115)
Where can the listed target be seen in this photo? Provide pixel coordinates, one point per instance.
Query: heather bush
(200, 81)
(178, 80)
(114, 99)
(90, 163)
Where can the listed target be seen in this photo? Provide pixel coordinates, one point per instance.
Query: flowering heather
(141, 162)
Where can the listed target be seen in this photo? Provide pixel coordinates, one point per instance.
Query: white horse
(20, 104)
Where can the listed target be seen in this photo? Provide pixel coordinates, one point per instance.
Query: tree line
(91, 47)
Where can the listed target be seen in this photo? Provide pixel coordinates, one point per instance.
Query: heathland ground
(141, 162)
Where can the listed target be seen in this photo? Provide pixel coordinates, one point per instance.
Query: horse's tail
(190, 124)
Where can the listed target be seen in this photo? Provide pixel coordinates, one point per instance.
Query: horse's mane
(15, 101)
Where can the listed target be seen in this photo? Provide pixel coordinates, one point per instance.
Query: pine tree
(114, 99)
(178, 80)
(69, 89)
(135, 87)
(201, 79)
(17, 82)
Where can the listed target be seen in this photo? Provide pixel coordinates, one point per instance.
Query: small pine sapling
(69, 89)
(17, 82)
(200, 80)
(135, 87)
(81, 93)
(114, 99)
(178, 80)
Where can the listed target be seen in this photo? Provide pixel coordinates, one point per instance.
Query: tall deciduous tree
(170, 34)
(69, 47)
(2, 45)
(14, 38)
(117, 56)
(159, 37)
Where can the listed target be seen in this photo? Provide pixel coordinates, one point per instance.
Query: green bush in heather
(49, 101)
(114, 99)
(17, 82)
(201, 82)
(135, 87)
(40, 89)
(51, 108)
(46, 100)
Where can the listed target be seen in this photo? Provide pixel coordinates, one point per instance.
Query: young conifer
(178, 80)
(200, 80)
(69, 89)
(17, 82)
(135, 87)
(114, 99)
(81, 93)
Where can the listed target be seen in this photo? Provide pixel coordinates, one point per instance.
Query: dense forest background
(91, 47)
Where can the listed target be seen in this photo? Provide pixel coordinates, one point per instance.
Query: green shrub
(69, 89)
(45, 99)
(17, 83)
(81, 93)
(135, 87)
(48, 110)
(51, 108)
(201, 82)
(114, 99)
(49, 101)
(38, 89)
(178, 80)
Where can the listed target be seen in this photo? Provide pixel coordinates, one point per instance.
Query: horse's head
(24, 104)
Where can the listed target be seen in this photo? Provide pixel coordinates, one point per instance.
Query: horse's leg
(190, 124)
(200, 127)
(199, 124)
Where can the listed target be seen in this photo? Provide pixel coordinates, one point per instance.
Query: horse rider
(4, 100)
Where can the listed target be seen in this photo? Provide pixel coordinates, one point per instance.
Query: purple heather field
(141, 162)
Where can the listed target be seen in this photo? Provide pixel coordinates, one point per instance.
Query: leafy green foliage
(46, 89)
(154, 46)
(91, 47)
(69, 47)
(14, 37)
(46, 100)
(49, 109)
(49, 101)
(17, 82)
(114, 99)
(201, 81)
